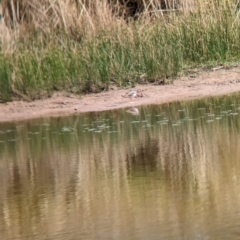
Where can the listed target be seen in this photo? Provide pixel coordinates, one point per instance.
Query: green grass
(137, 52)
(5, 79)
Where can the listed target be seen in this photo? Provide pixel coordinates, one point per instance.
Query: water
(162, 172)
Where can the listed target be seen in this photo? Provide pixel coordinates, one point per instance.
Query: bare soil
(218, 81)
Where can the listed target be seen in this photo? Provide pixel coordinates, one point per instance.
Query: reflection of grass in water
(133, 164)
(127, 143)
(129, 130)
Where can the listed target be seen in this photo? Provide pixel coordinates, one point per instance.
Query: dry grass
(80, 17)
(84, 14)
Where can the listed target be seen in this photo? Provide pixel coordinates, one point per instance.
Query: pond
(155, 172)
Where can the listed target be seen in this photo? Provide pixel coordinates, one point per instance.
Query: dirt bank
(197, 85)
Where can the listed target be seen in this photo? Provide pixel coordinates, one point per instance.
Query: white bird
(132, 94)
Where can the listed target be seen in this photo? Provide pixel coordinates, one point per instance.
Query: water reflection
(134, 111)
(170, 172)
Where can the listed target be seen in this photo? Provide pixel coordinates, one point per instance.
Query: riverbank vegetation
(85, 46)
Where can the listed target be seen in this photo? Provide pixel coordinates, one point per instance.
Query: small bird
(131, 94)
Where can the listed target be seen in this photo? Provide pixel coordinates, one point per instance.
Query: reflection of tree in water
(16, 180)
(144, 159)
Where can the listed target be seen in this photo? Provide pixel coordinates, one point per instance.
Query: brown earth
(218, 81)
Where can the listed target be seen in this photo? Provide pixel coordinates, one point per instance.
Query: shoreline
(201, 85)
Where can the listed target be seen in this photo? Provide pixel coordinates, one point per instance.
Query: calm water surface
(171, 172)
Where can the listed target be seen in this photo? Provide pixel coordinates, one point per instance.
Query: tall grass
(87, 50)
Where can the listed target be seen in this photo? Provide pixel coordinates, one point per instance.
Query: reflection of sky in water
(168, 172)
